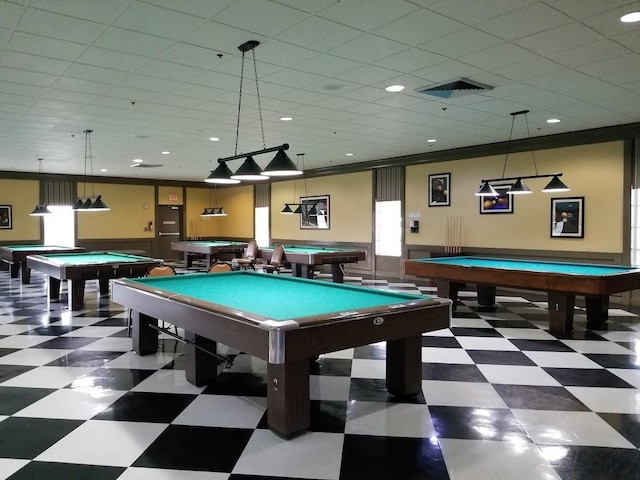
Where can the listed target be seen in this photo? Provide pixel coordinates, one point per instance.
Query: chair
(274, 264)
(219, 267)
(249, 258)
(157, 271)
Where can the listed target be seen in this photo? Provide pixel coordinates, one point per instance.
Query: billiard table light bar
(519, 187)
(213, 212)
(300, 208)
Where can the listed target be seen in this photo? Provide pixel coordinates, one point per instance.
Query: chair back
(160, 271)
(219, 267)
(277, 256)
(252, 249)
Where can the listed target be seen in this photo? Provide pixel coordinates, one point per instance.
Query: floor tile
(608, 400)
(539, 397)
(517, 375)
(52, 470)
(461, 394)
(146, 407)
(452, 372)
(593, 463)
(223, 411)
(499, 357)
(628, 425)
(587, 377)
(25, 438)
(395, 420)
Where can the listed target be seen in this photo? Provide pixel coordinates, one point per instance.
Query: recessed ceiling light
(349, 154)
(286, 119)
(104, 170)
(214, 139)
(630, 17)
(138, 160)
(432, 140)
(394, 88)
(553, 120)
(165, 152)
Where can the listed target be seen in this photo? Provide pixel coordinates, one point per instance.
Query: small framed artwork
(6, 219)
(567, 217)
(502, 203)
(439, 193)
(315, 212)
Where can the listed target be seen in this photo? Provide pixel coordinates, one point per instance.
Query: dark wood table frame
(561, 289)
(210, 252)
(286, 346)
(17, 259)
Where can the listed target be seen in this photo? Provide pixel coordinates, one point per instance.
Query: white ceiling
(154, 75)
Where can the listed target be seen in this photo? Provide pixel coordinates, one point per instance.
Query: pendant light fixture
(213, 211)
(92, 203)
(519, 187)
(281, 165)
(41, 209)
(300, 208)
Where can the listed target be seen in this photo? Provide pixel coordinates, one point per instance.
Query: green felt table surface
(532, 266)
(305, 249)
(35, 247)
(212, 242)
(277, 297)
(94, 258)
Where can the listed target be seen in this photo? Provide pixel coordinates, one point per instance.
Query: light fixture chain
(239, 103)
(533, 156)
(506, 157)
(90, 161)
(255, 70)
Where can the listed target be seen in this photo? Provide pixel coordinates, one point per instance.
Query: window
(389, 228)
(59, 227)
(262, 226)
(635, 228)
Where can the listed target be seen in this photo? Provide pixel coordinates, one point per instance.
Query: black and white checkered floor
(502, 399)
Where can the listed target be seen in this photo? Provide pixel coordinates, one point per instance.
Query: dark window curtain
(262, 194)
(389, 184)
(58, 192)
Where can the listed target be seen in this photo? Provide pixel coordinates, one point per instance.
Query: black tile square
(112, 322)
(385, 458)
(242, 384)
(335, 367)
(615, 361)
(7, 351)
(28, 437)
(10, 371)
(539, 398)
(500, 357)
(461, 314)
(51, 330)
(146, 407)
(495, 424)
(84, 358)
(511, 324)
(540, 345)
(377, 351)
(184, 447)
(112, 378)
(452, 372)
(594, 463)
(586, 377)
(375, 390)
(68, 343)
(475, 332)
(628, 425)
(440, 342)
(65, 471)
(14, 399)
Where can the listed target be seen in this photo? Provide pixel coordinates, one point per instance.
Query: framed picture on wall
(315, 212)
(6, 219)
(439, 190)
(567, 217)
(502, 203)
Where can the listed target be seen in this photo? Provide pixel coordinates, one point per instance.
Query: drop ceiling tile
(128, 41)
(53, 25)
(192, 55)
(310, 6)
(609, 67)
(79, 85)
(44, 46)
(445, 71)
(527, 69)
(366, 94)
(153, 84)
(411, 60)
(472, 12)
(367, 75)
(589, 53)
(196, 91)
(292, 78)
(327, 65)
(94, 74)
(153, 20)
(5, 37)
(304, 97)
(33, 63)
(65, 95)
(630, 39)
(111, 59)
(462, 42)
(23, 76)
(419, 28)
(498, 56)
(94, 10)
(130, 94)
(368, 49)
(199, 8)
(219, 37)
(583, 8)
(318, 34)
(529, 20)
(169, 70)
(282, 54)
(379, 12)
(559, 38)
(263, 18)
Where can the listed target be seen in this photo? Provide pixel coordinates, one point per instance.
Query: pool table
(210, 249)
(286, 321)
(16, 257)
(561, 280)
(79, 267)
(304, 259)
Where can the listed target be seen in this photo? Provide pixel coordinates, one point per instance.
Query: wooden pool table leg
(103, 285)
(288, 397)
(144, 338)
(200, 367)
(561, 312)
(404, 366)
(14, 268)
(76, 294)
(337, 274)
(486, 294)
(188, 262)
(449, 289)
(597, 310)
(54, 289)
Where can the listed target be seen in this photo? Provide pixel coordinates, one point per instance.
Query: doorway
(169, 230)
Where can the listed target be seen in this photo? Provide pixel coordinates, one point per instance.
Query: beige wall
(591, 171)
(237, 202)
(132, 208)
(170, 196)
(349, 209)
(22, 196)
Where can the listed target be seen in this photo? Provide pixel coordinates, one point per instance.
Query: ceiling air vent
(455, 88)
(146, 165)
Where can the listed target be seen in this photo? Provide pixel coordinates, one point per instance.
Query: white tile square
(312, 455)
(73, 404)
(223, 411)
(15, 329)
(48, 377)
(609, 400)
(517, 375)
(168, 381)
(621, 336)
(24, 341)
(486, 343)
(570, 428)
(110, 344)
(444, 332)
(139, 473)
(389, 420)
(597, 346)
(525, 333)
(365, 368)
(91, 331)
(461, 394)
(560, 359)
(101, 442)
(9, 466)
(345, 354)
(445, 355)
(33, 356)
(469, 322)
(631, 376)
(324, 387)
(131, 360)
